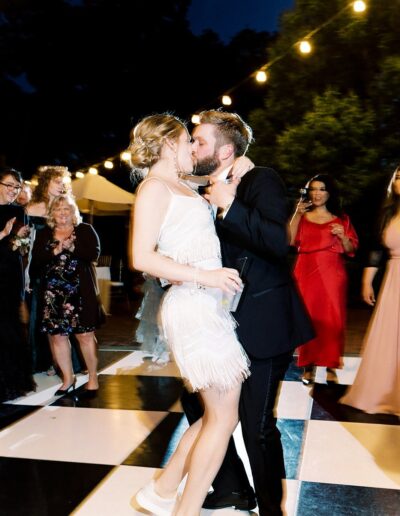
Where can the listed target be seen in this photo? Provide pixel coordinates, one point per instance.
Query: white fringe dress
(199, 331)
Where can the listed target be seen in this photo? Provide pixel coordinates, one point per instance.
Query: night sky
(227, 17)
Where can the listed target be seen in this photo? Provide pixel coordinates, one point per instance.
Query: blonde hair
(148, 137)
(64, 199)
(44, 175)
(229, 128)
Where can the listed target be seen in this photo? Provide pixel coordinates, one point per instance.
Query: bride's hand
(226, 279)
(241, 166)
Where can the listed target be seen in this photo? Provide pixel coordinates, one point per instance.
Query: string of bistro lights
(303, 46)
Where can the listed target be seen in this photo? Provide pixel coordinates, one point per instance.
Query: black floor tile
(292, 432)
(45, 488)
(128, 392)
(326, 407)
(10, 414)
(107, 358)
(293, 374)
(343, 500)
(155, 451)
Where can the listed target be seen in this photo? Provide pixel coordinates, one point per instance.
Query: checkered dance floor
(72, 455)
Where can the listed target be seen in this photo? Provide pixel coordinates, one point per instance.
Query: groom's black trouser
(260, 433)
(231, 475)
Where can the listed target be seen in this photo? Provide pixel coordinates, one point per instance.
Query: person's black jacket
(271, 317)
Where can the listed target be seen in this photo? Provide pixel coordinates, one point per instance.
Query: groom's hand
(222, 194)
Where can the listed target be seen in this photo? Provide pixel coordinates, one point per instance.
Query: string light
(261, 76)
(79, 174)
(359, 6)
(226, 100)
(125, 156)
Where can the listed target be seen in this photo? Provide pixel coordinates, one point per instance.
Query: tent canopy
(96, 195)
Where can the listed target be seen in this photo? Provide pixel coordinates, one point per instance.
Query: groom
(252, 227)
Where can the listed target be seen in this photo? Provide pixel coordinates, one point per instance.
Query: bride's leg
(219, 421)
(168, 482)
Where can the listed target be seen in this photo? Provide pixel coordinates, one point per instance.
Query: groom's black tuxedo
(271, 321)
(271, 318)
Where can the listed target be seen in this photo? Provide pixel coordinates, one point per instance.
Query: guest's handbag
(102, 314)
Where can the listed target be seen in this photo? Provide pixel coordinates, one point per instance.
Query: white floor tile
(138, 363)
(46, 387)
(345, 376)
(78, 435)
(294, 401)
(352, 453)
(115, 495)
(291, 491)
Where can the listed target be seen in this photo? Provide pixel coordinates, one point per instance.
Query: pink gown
(376, 388)
(322, 280)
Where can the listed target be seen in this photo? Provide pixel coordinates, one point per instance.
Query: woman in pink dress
(376, 388)
(322, 236)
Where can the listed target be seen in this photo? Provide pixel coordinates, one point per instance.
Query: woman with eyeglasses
(15, 371)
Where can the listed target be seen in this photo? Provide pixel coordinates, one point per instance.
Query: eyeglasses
(12, 188)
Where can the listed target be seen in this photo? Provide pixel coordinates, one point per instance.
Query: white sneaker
(150, 500)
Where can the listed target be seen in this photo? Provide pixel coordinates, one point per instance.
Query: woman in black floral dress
(63, 256)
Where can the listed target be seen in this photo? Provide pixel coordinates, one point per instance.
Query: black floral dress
(68, 296)
(62, 298)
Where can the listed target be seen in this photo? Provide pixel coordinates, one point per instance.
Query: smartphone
(303, 195)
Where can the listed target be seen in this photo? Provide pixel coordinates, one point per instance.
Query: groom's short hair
(229, 128)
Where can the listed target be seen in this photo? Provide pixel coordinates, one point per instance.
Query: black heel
(69, 389)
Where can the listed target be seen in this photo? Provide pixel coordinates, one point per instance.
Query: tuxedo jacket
(271, 316)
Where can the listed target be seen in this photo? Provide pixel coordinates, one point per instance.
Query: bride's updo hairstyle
(147, 139)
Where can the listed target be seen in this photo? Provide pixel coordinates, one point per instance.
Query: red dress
(322, 280)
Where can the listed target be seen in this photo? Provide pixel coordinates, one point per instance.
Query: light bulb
(305, 47)
(226, 100)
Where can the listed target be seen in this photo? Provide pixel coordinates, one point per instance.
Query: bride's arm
(151, 207)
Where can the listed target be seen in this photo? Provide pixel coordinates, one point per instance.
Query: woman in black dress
(62, 257)
(52, 181)
(15, 370)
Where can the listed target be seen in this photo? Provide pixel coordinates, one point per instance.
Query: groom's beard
(207, 166)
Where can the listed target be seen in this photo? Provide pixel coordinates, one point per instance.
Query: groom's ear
(226, 151)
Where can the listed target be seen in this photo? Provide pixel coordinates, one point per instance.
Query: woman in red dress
(322, 236)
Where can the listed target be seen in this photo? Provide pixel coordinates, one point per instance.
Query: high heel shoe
(331, 376)
(308, 376)
(70, 388)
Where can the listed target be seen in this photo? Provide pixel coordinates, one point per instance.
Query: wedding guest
(25, 195)
(376, 388)
(62, 260)
(174, 237)
(323, 236)
(52, 181)
(15, 369)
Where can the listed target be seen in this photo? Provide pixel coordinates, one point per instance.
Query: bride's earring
(179, 172)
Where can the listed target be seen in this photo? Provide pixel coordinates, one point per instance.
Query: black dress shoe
(240, 500)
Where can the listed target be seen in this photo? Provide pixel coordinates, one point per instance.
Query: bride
(174, 238)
